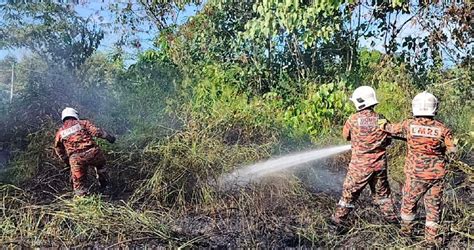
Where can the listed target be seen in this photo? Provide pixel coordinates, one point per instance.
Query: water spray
(252, 173)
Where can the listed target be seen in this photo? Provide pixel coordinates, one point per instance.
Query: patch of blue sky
(403, 22)
(145, 33)
(408, 28)
(100, 14)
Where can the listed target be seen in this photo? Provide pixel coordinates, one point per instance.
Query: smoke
(320, 176)
(41, 90)
(255, 172)
(4, 156)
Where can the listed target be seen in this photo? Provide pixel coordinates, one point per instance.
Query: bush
(320, 112)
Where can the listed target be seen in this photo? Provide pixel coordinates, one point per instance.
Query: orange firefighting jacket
(427, 140)
(368, 141)
(76, 136)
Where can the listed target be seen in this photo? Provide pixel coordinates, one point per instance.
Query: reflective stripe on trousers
(408, 217)
(342, 203)
(382, 201)
(431, 224)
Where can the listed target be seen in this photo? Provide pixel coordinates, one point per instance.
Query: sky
(98, 12)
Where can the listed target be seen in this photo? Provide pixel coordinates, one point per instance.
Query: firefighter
(368, 165)
(428, 142)
(74, 144)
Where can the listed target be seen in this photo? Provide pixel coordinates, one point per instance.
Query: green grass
(163, 192)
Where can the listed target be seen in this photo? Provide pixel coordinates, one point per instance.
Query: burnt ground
(281, 211)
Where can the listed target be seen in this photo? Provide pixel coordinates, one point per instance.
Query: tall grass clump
(78, 222)
(222, 129)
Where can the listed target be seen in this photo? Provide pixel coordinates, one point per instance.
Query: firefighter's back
(426, 147)
(368, 141)
(75, 136)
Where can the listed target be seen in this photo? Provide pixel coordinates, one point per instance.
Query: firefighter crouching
(368, 164)
(75, 145)
(428, 142)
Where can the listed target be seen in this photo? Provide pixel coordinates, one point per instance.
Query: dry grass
(277, 212)
(162, 196)
(74, 222)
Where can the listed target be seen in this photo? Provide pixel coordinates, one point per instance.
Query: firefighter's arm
(391, 128)
(395, 130)
(382, 122)
(346, 131)
(98, 132)
(60, 149)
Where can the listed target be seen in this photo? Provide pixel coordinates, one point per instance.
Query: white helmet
(69, 112)
(424, 104)
(364, 97)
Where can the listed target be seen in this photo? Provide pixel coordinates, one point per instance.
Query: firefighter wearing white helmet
(364, 97)
(368, 166)
(74, 144)
(429, 141)
(424, 104)
(69, 113)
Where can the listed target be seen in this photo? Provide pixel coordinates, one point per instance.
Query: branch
(408, 20)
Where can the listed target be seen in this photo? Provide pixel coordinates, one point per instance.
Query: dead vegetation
(161, 196)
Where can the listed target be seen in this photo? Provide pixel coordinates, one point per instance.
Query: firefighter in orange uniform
(368, 164)
(75, 145)
(428, 142)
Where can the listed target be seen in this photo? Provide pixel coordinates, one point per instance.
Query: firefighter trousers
(355, 182)
(80, 163)
(432, 193)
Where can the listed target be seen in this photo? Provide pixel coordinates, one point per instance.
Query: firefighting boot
(407, 228)
(433, 240)
(79, 184)
(387, 207)
(338, 220)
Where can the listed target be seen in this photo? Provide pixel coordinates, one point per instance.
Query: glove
(381, 123)
(110, 138)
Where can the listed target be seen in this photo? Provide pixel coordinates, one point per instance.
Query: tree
(440, 32)
(53, 31)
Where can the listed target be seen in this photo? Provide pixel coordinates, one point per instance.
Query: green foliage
(143, 91)
(216, 99)
(27, 163)
(321, 109)
(395, 89)
(52, 30)
(43, 89)
(457, 106)
(292, 17)
(393, 101)
(73, 222)
(301, 46)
